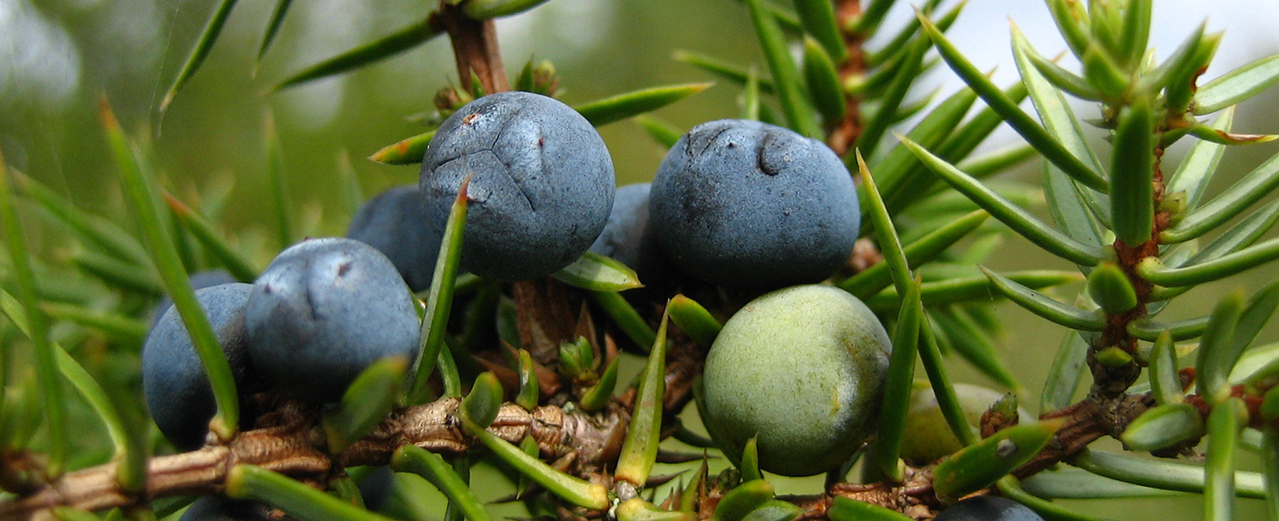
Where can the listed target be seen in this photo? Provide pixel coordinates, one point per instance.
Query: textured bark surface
(295, 448)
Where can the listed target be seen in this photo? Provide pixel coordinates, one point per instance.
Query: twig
(475, 48)
(843, 134)
(297, 449)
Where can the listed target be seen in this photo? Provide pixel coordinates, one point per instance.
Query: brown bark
(842, 135)
(475, 48)
(545, 318)
(297, 450)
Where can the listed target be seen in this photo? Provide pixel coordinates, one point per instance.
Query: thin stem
(1113, 381)
(474, 48)
(842, 134)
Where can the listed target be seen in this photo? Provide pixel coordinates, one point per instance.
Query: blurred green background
(58, 58)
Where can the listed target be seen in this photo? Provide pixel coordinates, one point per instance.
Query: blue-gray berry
(628, 237)
(324, 310)
(394, 223)
(988, 508)
(747, 204)
(177, 391)
(201, 280)
(541, 183)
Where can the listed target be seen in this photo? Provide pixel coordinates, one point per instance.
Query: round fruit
(743, 203)
(541, 186)
(988, 508)
(177, 391)
(803, 368)
(928, 436)
(394, 223)
(628, 237)
(201, 280)
(322, 311)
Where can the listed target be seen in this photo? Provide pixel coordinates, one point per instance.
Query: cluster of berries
(738, 204)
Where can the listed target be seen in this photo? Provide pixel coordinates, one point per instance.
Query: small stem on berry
(474, 48)
(545, 318)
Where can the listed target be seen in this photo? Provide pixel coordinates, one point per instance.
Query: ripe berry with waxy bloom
(541, 183)
(747, 204)
(324, 310)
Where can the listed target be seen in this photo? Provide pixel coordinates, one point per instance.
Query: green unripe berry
(803, 368)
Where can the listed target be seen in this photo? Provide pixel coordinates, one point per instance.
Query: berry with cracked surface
(747, 204)
(177, 391)
(804, 369)
(324, 310)
(541, 183)
(394, 223)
